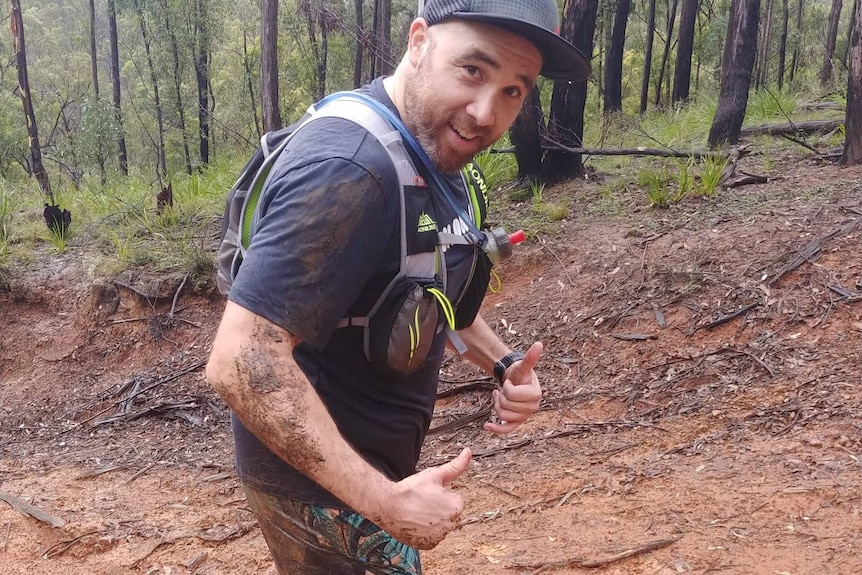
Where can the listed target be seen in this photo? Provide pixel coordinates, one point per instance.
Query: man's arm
(252, 368)
(520, 395)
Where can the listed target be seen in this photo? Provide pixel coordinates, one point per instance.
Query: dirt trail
(702, 411)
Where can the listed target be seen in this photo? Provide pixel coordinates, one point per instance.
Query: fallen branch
(808, 127)
(22, 506)
(639, 151)
(812, 250)
(63, 546)
(194, 367)
(593, 563)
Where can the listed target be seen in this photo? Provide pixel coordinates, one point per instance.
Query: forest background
(140, 113)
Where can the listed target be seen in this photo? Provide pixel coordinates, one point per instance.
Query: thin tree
(684, 51)
(740, 47)
(384, 30)
(794, 61)
(269, 65)
(316, 19)
(671, 17)
(782, 43)
(647, 57)
(249, 84)
(94, 65)
(161, 164)
(122, 157)
(566, 121)
(19, 48)
(359, 49)
(178, 84)
(828, 66)
(853, 115)
(614, 59)
(202, 74)
(761, 65)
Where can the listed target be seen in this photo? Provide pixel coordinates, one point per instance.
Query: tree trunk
(831, 36)
(381, 61)
(316, 18)
(386, 64)
(359, 51)
(122, 157)
(794, 61)
(648, 57)
(525, 135)
(161, 166)
(782, 42)
(566, 124)
(762, 63)
(684, 51)
(202, 73)
(740, 48)
(178, 86)
(269, 65)
(19, 48)
(853, 115)
(250, 84)
(614, 59)
(94, 62)
(671, 17)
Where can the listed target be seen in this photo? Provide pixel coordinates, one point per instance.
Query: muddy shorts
(315, 540)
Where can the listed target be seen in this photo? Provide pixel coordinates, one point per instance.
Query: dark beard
(416, 112)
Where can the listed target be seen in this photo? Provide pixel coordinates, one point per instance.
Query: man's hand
(520, 395)
(422, 511)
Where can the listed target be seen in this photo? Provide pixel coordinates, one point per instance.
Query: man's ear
(418, 41)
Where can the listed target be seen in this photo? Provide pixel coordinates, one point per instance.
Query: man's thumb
(454, 468)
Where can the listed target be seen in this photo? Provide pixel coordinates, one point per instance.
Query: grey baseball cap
(536, 20)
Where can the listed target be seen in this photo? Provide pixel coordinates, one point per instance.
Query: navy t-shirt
(325, 241)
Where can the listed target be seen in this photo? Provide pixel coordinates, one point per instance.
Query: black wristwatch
(501, 366)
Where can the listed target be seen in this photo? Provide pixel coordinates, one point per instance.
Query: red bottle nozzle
(517, 237)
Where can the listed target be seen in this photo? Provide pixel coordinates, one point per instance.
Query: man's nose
(481, 109)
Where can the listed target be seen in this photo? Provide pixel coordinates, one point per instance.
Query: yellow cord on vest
(448, 311)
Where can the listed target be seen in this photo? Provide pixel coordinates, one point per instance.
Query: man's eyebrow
(477, 54)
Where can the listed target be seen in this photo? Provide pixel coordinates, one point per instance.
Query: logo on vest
(426, 224)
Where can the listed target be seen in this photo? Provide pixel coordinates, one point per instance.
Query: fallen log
(639, 151)
(793, 128)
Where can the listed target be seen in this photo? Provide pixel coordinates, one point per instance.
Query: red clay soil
(702, 409)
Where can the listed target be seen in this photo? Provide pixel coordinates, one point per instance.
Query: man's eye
(471, 70)
(514, 92)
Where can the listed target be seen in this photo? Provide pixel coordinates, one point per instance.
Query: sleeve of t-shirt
(320, 233)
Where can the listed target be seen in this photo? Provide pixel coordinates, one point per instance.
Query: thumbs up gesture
(422, 510)
(520, 395)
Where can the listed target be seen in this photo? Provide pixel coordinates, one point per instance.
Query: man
(326, 443)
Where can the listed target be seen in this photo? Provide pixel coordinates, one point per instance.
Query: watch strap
(503, 364)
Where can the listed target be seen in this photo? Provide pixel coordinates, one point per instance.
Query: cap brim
(560, 60)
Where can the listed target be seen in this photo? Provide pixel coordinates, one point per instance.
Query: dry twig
(601, 562)
(22, 506)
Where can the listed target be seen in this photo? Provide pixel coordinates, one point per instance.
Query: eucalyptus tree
(269, 65)
(613, 100)
(650, 35)
(853, 110)
(122, 154)
(37, 168)
(827, 69)
(737, 64)
(684, 51)
(566, 119)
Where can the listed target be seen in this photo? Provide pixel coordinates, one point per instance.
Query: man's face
(466, 87)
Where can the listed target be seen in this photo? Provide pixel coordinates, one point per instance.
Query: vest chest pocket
(400, 331)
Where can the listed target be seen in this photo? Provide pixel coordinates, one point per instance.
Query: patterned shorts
(315, 540)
